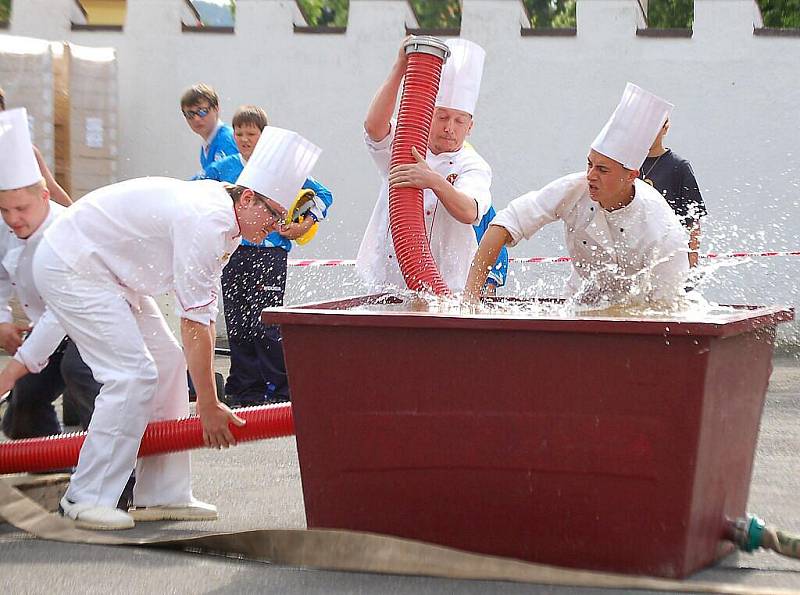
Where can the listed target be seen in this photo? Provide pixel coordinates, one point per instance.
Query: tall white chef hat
(279, 165)
(18, 166)
(460, 84)
(634, 125)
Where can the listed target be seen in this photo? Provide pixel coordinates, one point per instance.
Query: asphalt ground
(257, 485)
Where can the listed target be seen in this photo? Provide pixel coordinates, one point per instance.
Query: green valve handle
(755, 532)
(747, 532)
(751, 533)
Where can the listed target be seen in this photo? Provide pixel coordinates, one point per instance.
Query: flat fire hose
(336, 550)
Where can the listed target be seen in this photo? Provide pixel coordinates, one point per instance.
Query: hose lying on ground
(59, 452)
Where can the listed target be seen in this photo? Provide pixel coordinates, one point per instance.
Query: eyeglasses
(275, 210)
(191, 114)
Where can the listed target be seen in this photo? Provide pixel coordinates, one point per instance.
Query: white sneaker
(193, 511)
(98, 518)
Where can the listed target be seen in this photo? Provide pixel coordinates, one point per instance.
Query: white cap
(634, 125)
(279, 165)
(460, 84)
(18, 166)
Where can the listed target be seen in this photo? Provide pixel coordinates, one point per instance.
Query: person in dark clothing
(255, 278)
(674, 177)
(30, 412)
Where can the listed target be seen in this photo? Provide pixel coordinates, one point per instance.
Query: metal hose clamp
(426, 44)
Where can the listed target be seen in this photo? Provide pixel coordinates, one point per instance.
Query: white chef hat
(634, 125)
(18, 166)
(279, 165)
(460, 84)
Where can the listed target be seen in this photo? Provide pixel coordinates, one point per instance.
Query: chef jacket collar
(238, 233)
(621, 212)
(39, 230)
(445, 155)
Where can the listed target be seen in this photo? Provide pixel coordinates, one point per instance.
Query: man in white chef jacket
(53, 360)
(625, 241)
(98, 267)
(454, 177)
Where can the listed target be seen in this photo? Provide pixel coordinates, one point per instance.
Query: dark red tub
(598, 443)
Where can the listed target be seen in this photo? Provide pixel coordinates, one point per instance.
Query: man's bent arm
(492, 242)
(461, 206)
(57, 193)
(419, 174)
(381, 109)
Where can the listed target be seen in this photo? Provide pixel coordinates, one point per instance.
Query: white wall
(543, 100)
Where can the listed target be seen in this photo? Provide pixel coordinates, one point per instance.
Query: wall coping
(85, 27)
(664, 33)
(775, 32)
(548, 31)
(524, 31)
(324, 30)
(436, 32)
(207, 29)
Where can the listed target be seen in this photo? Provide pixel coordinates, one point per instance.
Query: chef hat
(460, 84)
(634, 125)
(279, 165)
(18, 166)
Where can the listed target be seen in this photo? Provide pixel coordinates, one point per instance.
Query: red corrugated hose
(406, 220)
(160, 437)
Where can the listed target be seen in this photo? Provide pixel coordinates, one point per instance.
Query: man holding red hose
(455, 179)
(98, 267)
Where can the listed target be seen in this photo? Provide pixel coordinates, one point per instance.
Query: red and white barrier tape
(314, 262)
(748, 254)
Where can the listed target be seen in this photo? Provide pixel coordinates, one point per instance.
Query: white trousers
(141, 366)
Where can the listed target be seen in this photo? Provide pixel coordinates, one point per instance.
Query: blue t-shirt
(228, 170)
(497, 276)
(222, 145)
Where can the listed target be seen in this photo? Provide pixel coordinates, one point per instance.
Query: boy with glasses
(200, 107)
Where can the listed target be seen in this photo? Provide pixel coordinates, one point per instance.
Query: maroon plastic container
(598, 443)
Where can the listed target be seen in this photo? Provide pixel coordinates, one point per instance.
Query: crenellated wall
(543, 100)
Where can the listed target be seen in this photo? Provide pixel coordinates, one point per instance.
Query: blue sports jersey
(222, 145)
(497, 276)
(228, 170)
